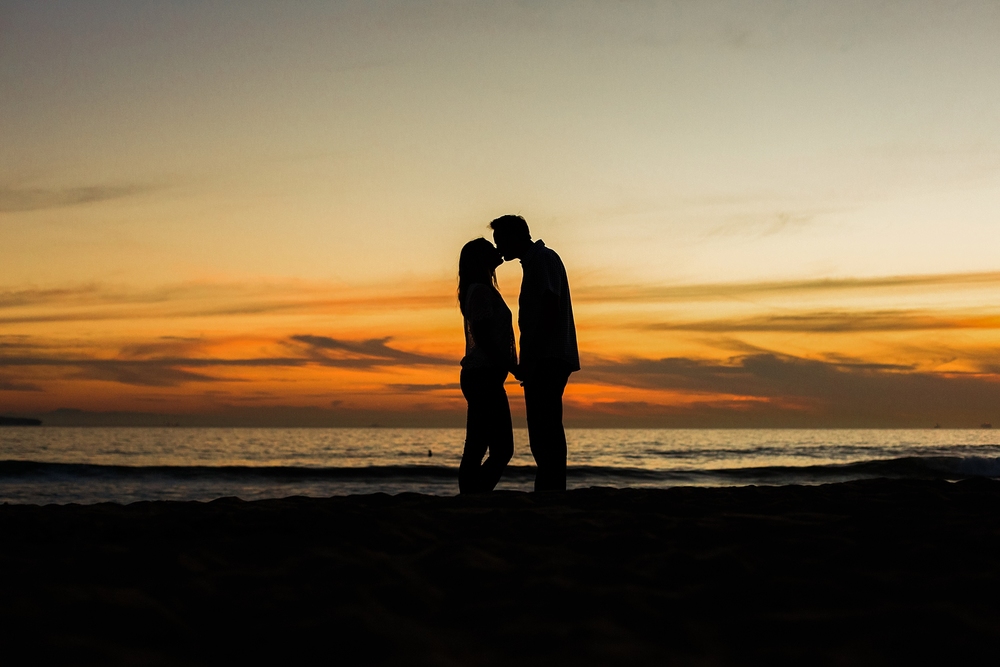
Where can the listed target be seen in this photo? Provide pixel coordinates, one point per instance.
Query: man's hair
(514, 225)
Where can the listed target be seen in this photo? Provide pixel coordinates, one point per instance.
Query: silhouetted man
(548, 345)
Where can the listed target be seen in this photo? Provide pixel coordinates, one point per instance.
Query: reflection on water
(648, 449)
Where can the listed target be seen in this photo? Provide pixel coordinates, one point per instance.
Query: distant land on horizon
(19, 421)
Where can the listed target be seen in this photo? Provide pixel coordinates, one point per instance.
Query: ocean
(43, 465)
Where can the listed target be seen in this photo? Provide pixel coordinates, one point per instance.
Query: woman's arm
(487, 340)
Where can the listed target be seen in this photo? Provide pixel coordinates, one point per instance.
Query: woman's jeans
(487, 428)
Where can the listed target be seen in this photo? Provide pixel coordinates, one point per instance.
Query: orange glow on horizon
(216, 347)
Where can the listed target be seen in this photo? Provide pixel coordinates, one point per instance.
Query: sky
(772, 213)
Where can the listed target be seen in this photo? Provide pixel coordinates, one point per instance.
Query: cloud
(418, 388)
(157, 372)
(146, 364)
(703, 291)
(363, 353)
(143, 374)
(102, 302)
(31, 297)
(762, 375)
(15, 385)
(835, 322)
(17, 342)
(763, 224)
(13, 200)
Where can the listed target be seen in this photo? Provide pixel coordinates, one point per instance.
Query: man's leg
(546, 436)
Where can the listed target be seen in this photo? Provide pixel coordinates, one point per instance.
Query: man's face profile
(504, 244)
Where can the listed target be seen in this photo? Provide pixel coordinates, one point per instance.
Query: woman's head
(477, 263)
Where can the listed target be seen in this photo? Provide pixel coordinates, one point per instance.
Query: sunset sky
(772, 213)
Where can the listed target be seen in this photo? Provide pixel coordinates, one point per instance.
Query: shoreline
(37, 482)
(864, 572)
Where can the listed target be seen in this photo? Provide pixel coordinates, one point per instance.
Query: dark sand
(875, 572)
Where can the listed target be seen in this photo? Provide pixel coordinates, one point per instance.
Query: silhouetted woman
(489, 356)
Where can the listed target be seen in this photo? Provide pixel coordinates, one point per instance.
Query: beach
(863, 572)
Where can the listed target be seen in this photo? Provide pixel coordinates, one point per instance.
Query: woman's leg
(477, 432)
(501, 434)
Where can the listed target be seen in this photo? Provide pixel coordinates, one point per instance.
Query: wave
(909, 467)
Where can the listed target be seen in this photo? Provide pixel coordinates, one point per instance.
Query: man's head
(510, 233)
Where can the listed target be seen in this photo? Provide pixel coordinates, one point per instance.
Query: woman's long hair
(476, 264)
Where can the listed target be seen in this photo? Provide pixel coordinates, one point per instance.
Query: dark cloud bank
(795, 392)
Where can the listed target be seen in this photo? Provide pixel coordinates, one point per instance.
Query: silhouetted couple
(548, 355)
